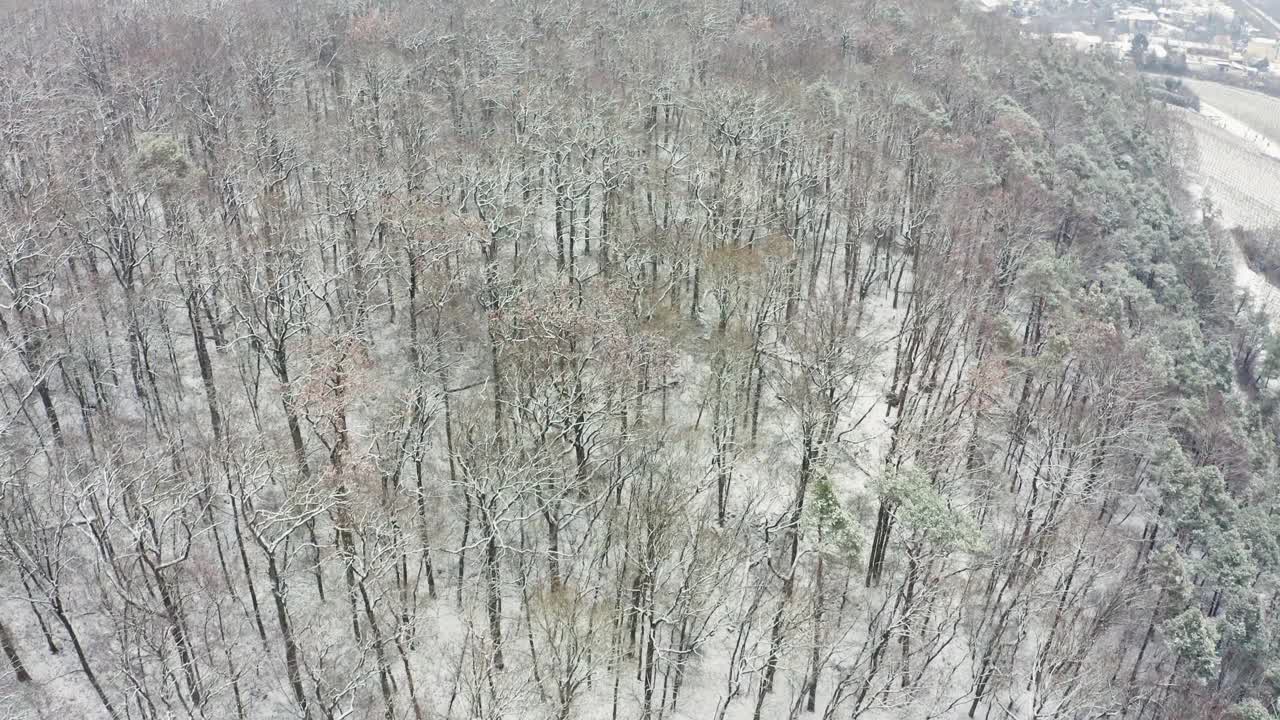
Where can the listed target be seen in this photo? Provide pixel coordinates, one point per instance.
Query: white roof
(1082, 41)
(1136, 14)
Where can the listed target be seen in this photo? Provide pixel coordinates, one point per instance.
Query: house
(1179, 17)
(1261, 48)
(1136, 20)
(1235, 69)
(1197, 48)
(1080, 41)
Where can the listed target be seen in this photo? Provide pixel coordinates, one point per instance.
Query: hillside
(640, 359)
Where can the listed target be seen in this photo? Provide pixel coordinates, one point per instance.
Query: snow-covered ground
(1258, 111)
(1261, 143)
(1239, 167)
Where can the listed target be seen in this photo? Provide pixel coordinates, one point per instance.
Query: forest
(625, 359)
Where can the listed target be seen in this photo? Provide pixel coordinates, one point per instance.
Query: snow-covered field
(1238, 166)
(1257, 112)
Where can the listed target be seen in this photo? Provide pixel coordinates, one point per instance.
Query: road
(1274, 27)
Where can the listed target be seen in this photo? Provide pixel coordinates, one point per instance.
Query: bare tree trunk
(493, 583)
(244, 563)
(11, 652)
(40, 621)
(60, 613)
(177, 629)
(292, 660)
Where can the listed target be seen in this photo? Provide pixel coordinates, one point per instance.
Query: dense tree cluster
(628, 359)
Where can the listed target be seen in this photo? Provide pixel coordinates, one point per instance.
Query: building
(1261, 48)
(1136, 20)
(1080, 41)
(1234, 69)
(1180, 17)
(1197, 48)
